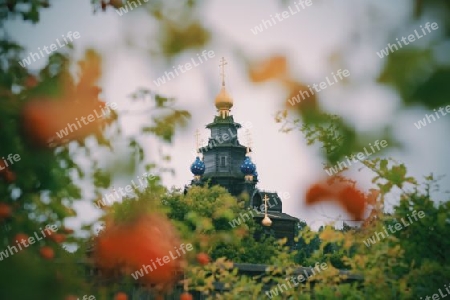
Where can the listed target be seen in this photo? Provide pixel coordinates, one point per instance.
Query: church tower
(224, 158)
(226, 162)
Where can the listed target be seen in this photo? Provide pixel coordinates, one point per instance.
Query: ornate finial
(222, 64)
(266, 221)
(248, 136)
(198, 144)
(223, 100)
(197, 139)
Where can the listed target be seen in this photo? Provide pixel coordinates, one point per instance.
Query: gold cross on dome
(222, 64)
(266, 221)
(248, 136)
(265, 204)
(197, 137)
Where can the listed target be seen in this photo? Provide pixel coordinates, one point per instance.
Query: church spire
(266, 221)
(197, 141)
(222, 65)
(198, 166)
(248, 135)
(223, 101)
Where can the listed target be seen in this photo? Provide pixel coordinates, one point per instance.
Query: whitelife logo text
(300, 279)
(184, 68)
(372, 241)
(423, 122)
(114, 196)
(299, 6)
(319, 87)
(359, 157)
(124, 9)
(90, 118)
(411, 38)
(35, 56)
(31, 240)
(11, 158)
(165, 260)
(245, 217)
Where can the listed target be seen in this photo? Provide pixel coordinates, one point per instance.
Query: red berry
(5, 211)
(121, 296)
(47, 252)
(20, 236)
(58, 237)
(203, 258)
(10, 176)
(186, 296)
(48, 232)
(31, 81)
(3, 167)
(67, 230)
(142, 239)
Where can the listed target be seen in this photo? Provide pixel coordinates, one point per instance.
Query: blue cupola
(198, 167)
(248, 167)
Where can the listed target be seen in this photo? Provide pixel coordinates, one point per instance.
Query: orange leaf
(272, 68)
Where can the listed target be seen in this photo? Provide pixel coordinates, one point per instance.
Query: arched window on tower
(223, 161)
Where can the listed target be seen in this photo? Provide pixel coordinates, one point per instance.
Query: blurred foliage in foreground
(41, 188)
(397, 266)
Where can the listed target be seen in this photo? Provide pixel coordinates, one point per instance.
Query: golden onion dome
(266, 221)
(223, 100)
